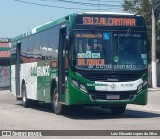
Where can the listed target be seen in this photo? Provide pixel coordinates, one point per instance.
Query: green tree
(144, 7)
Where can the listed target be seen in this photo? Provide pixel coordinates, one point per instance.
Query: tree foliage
(144, 7)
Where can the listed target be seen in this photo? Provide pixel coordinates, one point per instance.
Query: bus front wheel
(118, 109)
(58, 108)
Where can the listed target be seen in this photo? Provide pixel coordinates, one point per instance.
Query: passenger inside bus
(90, 45)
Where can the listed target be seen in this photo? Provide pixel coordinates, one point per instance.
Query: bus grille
(102, 95)
(113, 77)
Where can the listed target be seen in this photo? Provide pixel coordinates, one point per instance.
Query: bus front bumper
(77, 97)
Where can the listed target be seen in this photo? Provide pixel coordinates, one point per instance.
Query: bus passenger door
(61, 63)
(17, 68)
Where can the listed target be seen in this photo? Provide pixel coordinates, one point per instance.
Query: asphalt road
(14, 117)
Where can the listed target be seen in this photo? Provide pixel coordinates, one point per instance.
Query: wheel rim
(56, 104)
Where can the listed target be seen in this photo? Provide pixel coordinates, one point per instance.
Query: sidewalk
(154, 89)
(4, 88)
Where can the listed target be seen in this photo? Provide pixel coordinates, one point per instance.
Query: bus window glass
(53, 42)
(110, 50)
(130, 50)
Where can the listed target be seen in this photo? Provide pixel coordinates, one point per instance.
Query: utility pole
(154, 61)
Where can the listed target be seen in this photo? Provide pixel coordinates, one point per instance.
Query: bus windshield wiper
(124, 38)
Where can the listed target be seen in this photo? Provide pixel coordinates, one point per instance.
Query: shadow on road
(4, 88)
(141, 114)
(91, 113)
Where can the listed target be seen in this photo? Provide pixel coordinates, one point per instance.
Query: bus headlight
(79, 86)
(75, 83)
(141, 86)
(83, 88)
(145, 83)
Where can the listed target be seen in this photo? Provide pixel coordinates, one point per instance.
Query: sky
(18, 17)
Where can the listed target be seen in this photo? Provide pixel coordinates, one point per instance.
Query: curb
(4, 88)
(154, 89)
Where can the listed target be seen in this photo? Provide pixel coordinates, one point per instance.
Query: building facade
(5, 46)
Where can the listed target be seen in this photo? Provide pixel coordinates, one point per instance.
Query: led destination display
(108, 20)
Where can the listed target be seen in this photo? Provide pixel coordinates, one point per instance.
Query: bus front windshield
(116, 50)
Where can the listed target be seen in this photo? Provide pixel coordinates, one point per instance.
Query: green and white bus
(90, 58)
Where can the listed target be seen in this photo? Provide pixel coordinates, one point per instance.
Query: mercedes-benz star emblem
(113, 86)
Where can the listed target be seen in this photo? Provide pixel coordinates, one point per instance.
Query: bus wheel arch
(52, 87)
(57, 107)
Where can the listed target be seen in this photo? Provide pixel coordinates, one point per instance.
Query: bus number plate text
(112, 97)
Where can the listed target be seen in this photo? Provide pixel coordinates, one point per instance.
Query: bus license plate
(112, 97)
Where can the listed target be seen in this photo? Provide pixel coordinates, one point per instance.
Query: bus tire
(58, 108)
(118, 110)
(25, 101)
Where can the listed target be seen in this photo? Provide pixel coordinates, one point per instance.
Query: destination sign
(89, 35)
(101, 20)
(88, 62)
(109, 21)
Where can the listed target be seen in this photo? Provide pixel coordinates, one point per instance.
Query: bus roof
(61, 20)
(42, 27)
(107, 13)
